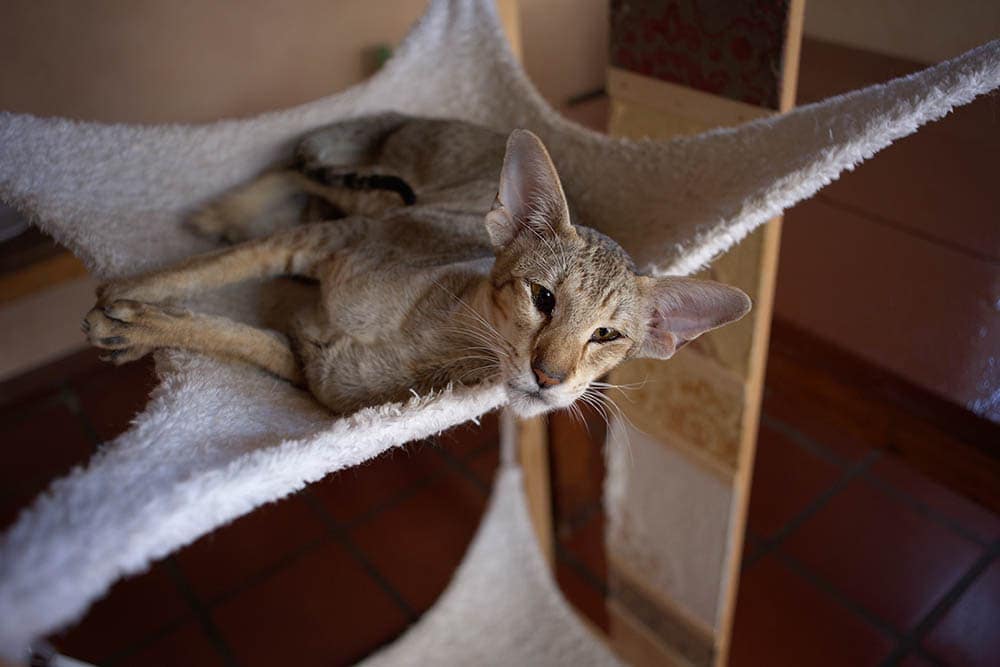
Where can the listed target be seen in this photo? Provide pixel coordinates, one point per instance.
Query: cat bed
(218, 440)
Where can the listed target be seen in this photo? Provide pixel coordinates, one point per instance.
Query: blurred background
(873, 530)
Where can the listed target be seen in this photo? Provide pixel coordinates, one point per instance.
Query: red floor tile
(882, 554)
(786, 479)
(586, 544)
(349, 494)
(187, 646)
(976, 519)
(417, 544)
(828, 412)
(467, 439)
(582, 594)
(577, 463)
(781, 619)
(484, 465)
(223, 560)
(969, 634)
(41, 445)
(25, 389)
(113, 396)
(134, 609)
(323, 609)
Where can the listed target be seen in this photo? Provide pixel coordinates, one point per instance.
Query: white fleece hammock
(218, 440)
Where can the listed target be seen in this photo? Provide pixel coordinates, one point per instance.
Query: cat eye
(542, 298)
(604, 335)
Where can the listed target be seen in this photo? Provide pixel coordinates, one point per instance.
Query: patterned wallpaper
(731, 48)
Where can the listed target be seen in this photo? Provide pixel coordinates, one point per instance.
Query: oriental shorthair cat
(444, 254)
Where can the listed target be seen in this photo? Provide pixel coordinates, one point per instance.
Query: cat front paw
(117, 290)
(125, 330)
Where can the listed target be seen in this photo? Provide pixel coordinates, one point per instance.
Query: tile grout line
(912, 639)
(156, 635)
(569, 558)
(770, 544)
(267, 572)
(69, 398)
(340, 535)
(923, 509)
(201, 612)
(817, 448)
(393, 501)
(836, 595)
(806, 442)
(458, 466)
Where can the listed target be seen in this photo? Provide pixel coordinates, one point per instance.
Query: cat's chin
(532, 403)
(527, 404)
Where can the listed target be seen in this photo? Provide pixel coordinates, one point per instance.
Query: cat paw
(125, 330)
(119, 290)
(215, 222)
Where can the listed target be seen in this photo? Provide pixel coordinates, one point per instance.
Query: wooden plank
(40, 275)
(701, 108)
(761, 336)
(533, 456)
(642, 106)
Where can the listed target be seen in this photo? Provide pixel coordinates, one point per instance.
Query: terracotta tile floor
(852, 557)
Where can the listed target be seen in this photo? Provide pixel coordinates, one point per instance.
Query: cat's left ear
(530, 193)
(681, 309)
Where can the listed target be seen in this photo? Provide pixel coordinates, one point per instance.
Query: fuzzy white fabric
(502, 607)
(219, 440)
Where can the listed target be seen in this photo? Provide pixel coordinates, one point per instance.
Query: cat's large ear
(530, 194)
(681, 309)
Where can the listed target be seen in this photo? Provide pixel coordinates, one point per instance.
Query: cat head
(569, 300)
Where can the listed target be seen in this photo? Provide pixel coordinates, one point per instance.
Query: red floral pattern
(731, 48)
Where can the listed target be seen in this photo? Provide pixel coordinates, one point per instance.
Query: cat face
(568, 299)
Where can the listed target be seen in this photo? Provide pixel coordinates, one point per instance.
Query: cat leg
(272, 202)
(282, 199)
(128, 330)
(291, 252)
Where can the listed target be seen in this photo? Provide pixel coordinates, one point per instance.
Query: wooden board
(705, 403)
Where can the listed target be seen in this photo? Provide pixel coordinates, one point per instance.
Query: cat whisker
(618, 412)
(624, 387)
(489, 344)
(477, 315)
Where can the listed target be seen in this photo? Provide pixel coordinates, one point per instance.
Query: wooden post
(699, 412)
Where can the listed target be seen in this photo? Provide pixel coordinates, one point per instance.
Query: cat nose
(546, 378)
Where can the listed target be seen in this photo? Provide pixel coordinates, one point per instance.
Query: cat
(445, 255)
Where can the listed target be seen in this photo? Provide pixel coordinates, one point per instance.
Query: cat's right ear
(681, 309)
(530, 195)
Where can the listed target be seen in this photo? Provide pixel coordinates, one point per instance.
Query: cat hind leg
(272, 202)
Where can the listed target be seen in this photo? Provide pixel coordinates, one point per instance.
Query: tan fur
(413, 298)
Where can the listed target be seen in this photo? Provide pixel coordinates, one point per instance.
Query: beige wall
(922, 30)
(193, 61)
(186, 60)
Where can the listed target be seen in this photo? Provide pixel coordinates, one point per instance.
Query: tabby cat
(416, 289)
